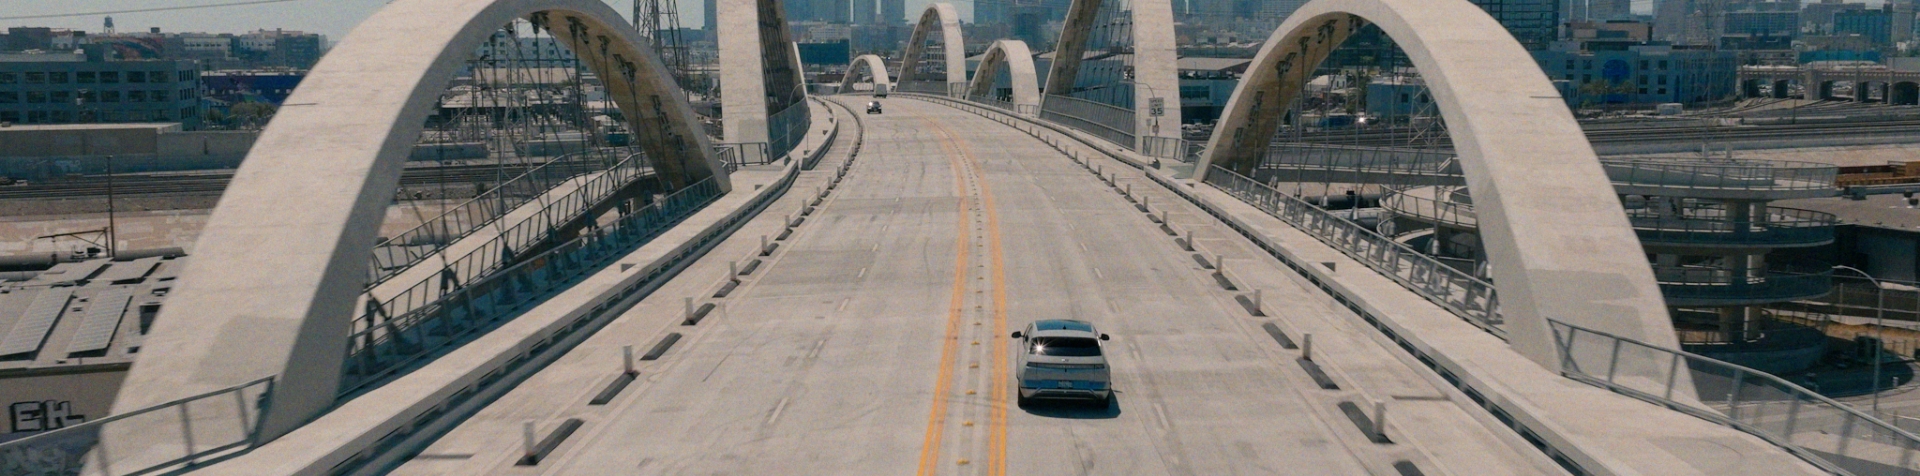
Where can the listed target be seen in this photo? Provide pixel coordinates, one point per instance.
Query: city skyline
(335, 22)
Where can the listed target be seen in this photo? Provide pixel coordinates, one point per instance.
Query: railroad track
(1655, 134)
(216, 182)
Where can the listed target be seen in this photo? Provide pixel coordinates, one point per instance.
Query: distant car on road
(1063, 359)
(873, 107)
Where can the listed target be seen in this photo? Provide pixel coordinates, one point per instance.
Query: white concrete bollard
(1380, 419)
(1190, 243)
(626, 354)
(763, 244)
(689, 314)
(1306, 347)
(526, 430)
(1257, 298)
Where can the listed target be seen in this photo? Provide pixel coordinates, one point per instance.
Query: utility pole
(113, 233)
(659, 20)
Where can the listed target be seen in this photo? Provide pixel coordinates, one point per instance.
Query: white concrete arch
(944, 17)
(760, 73)
(1559, 245)
(1156, 61)
(280, 264)
(1018, 61)
(875, 68)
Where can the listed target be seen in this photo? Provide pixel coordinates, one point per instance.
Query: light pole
(1879, 331)
(80, 104)
(1154, 94)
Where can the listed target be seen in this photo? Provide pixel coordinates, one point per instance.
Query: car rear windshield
(1066, 346)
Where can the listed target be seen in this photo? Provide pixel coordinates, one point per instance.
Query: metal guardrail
(785, 129)
(1112, 123)
(512, 240)
(1827, 433)
(66, 451)
(1711, 224)
(394, 255)
(736, 155)
(1732, 174)
(1363, 158)
(1424, 204)
(924, 87)
(1459, 292)
(1172, 148)
(378, 347)
(1709, 285)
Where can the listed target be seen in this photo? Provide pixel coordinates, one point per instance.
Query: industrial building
(86, 87)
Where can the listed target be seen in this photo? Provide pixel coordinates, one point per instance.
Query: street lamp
(1880, 330)
(1153, 94)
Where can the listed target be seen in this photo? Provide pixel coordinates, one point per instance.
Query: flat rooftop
(84, 313)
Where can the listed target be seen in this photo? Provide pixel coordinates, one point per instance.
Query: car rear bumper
(1064, 393)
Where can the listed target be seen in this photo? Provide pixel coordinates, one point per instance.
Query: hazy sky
(333, 18)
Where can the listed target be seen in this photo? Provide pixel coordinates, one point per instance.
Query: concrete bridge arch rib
(1017, 59)
(760, 73)
(283, 258)
(1559, 245)
(1156, 61)
(954, 47)
(875, 67)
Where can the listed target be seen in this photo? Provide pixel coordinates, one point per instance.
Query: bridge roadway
(874, 341)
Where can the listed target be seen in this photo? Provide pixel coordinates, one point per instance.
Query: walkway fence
(66, 451)
(503, 249)
(1172, 148)
(381, 345)
(395, 255)
(1828, 433)
(735, 156)
(785, 129)
(1465, 295)
(1113, 123)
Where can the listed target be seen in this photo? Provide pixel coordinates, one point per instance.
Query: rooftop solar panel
(31, 331)
(102, 318)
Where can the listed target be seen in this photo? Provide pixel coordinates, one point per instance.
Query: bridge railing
(379, 347)
(1426, 204)
(513, 239)
(1172, 148)
(785, 129)
(737, 155)
(1736, 174)
(394, 255)
(1828, 433)
(1459, 292)
(1360, 159)
(1113, 123)
(66, 451)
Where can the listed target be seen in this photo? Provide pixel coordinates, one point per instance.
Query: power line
(145, 10)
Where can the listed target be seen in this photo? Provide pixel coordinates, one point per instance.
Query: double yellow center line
(963, 164)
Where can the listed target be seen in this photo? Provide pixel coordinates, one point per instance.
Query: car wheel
(1021, 400)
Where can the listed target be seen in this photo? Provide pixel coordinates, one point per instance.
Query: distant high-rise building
(799, 10)
(1817, 18)
(1536, 23)
(865, 12)
(893, 12)
(1687, 22)
(1903, 19)
(1874, 25)
(1604, 10)
(713, 17)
